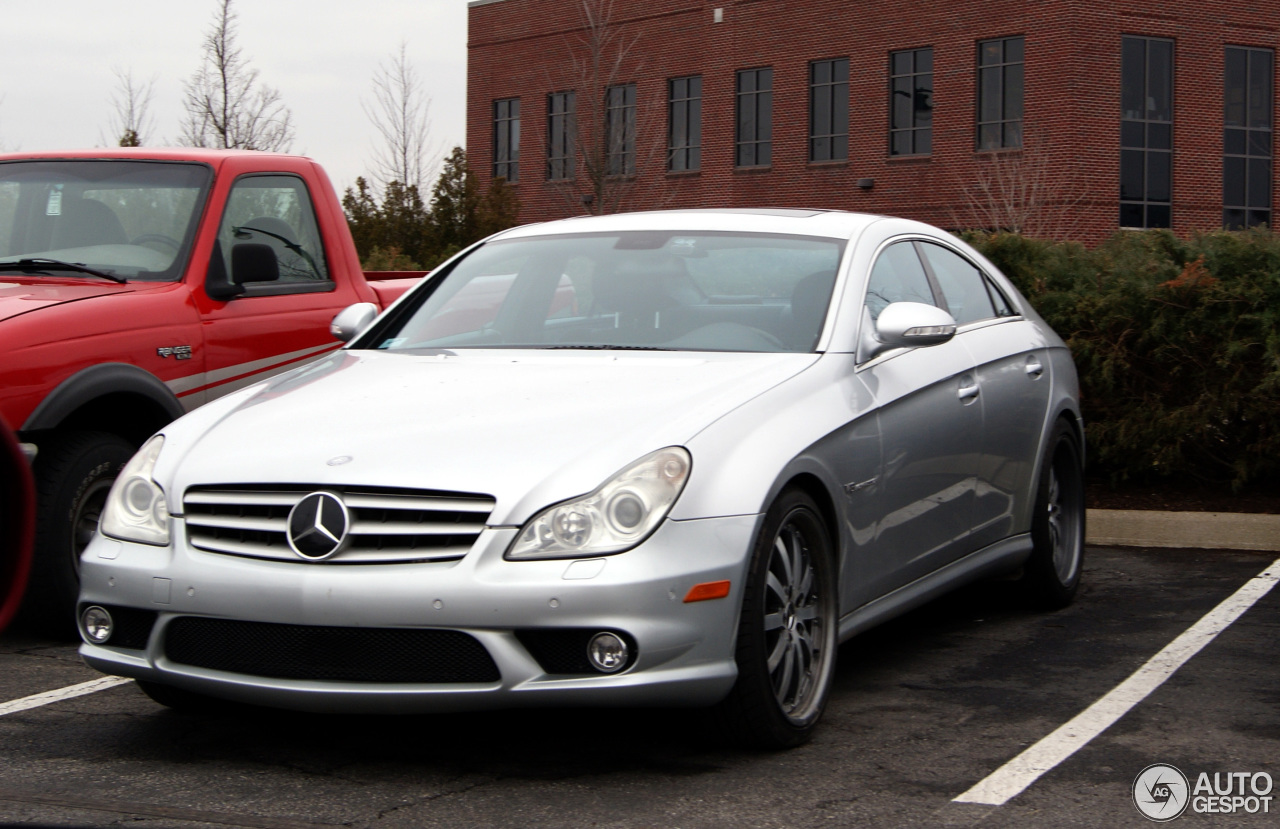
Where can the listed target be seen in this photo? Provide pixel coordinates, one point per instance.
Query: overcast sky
(56, 80)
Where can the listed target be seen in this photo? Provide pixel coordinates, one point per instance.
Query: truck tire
(73, 473)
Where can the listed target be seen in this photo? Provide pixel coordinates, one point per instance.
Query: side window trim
(320, 264)
(939, 297)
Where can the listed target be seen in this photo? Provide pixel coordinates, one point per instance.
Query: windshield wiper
(593, 347)
(40, 265)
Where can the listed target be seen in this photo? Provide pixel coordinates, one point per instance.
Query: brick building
(1063, 118)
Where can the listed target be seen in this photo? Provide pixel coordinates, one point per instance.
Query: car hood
(20, 297)
(529, 428)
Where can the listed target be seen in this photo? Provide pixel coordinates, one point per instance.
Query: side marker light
(707, 590)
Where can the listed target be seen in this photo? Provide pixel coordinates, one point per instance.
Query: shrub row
(1177, 342)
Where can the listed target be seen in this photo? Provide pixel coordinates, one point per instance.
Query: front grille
(388, 525)
(383, 655)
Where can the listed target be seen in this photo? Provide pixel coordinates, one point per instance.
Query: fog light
(96, 624)
(607, 652)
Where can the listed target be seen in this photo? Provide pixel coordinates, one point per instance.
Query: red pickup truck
(137, 284)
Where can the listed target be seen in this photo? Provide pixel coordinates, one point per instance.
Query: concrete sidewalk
(1203, 530)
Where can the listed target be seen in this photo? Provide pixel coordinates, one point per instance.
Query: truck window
(275, 210)
(135, 219)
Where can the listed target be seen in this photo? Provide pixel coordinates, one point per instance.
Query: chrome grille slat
(387, 526)
(405, 528)
(427, 504)
(279, 525)
(263, 499)
(242, 548)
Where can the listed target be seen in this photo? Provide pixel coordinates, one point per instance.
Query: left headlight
(616, 517)
(136, 509)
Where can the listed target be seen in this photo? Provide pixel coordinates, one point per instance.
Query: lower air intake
(376, 655)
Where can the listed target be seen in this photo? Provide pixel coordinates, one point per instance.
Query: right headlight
(136, 509)
(616, 517)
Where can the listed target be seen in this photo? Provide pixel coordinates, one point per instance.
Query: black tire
(787, 620)
(1052, 573)
(73, 474)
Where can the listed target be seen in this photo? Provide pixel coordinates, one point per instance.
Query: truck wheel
(73, 473)
(786, 650)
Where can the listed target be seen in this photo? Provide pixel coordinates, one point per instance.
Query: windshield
(130, 219)
(671, 290)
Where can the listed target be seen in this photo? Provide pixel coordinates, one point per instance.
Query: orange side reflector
(707, 590)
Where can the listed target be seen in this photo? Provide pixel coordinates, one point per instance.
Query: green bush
(1177, 343)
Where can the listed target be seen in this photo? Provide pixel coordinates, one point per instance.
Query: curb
(1195, 530)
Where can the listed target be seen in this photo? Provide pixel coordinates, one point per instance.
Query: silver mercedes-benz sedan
(667, 458)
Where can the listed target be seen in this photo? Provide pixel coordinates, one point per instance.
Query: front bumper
(683, 651)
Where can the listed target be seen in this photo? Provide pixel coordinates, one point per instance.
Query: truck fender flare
(98, 381)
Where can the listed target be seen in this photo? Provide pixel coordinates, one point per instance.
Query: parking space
(925, 708)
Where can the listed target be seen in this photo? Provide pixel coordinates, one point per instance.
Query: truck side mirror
(351, 320)
(254, 262)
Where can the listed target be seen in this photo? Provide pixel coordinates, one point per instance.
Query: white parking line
(37, 700)
(1013, 777)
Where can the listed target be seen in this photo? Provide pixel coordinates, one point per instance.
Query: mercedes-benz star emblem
(318, 526)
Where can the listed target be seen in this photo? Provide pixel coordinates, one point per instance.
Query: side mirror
(351, 320)
(254, 262)
(905, 325)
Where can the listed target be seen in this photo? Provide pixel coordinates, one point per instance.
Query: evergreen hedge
(1177, 342)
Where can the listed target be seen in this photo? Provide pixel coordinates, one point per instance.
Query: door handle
(968, 390)
(1034, 367)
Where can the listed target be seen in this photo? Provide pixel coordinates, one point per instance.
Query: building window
(620, 126)
(506, 139)
(753, 134)
(1146, 132)
(1246, 137)
(911, 102)
(829, 110)
(1000, 73)
(560, 112)
(684, 112)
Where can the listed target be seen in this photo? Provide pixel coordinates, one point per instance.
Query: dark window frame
(1146, 131)
(1000, 93)
(1247, 136)
(753, 117)
(561, 112)
(911, 128)
(506, 139)
(684, 124)
(620, 129)
(829, 110)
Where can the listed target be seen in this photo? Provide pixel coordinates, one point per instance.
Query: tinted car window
(963, 285)
(897, 276)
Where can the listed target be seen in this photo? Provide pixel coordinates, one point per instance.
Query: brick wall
(523, 49)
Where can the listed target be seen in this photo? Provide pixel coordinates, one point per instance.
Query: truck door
(269, 245)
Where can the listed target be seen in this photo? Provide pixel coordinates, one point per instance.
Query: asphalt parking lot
(925, 709)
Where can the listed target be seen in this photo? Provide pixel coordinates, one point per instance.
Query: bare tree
(400, 112)
(609, 132)
(131, 122)
(1021, 191)
(225, 104)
